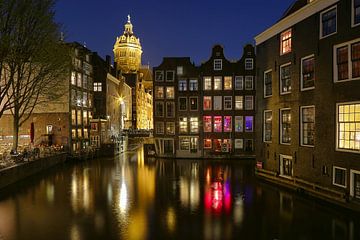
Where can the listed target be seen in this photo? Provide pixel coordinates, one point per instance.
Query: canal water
(130, 198)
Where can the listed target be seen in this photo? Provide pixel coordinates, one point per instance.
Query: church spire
(128, 26)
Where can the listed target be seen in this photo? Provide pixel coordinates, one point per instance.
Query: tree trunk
(15, 130)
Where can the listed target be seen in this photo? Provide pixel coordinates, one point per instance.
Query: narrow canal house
(309, 97)
(177, 108)
(228, 109)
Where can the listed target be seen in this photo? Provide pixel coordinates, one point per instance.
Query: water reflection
(130, 197)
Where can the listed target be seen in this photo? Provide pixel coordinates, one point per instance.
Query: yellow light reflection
(171, 219)
(123, 201)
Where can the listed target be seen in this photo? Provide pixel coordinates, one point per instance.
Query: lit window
(285, 126)
(180, 70)
(339, 176)
(217, 83)
(159, 128)
(286, 166)
(267, 126)
(249, 64)
(159, 109)
(217, 145)
(356, 12)
(97, 86)
(308, 73)
(239, 123)
(170, 128)
(79, 79)
(249, 83)
(207, 83)
(218, 124)
(170, 109)
(347, 66)
(268, 83)
(285, 42)
(159, 76)
(239, 143)
(239, 104)
(249, 102)
(193, 103)
(182, 85)
(183, 125)
(307, 126)
(85, 118)
(159, 92)
(73, 117)
(217, 102)
(249, 123)
(227, 83)
(170, 93)
(73, 78)
(207, 124)
(285, 79)
(239, 83)
(227, 102)
(170, 76)
(184, 143)
(207, 143)
(328, 22)
(349, 127)
(193, 84)
(217, 64)
(207, 103)
(194, 125)
(227, 124)
(182, 103)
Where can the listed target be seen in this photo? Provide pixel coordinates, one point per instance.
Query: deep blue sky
(169, 28)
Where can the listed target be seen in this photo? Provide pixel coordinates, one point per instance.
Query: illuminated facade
(127, 55)
(127, 50)
(309, 102)
(205, 111)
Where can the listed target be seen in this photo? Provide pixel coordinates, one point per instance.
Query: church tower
(127, 50)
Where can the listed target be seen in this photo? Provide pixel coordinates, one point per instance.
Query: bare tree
(37, 61)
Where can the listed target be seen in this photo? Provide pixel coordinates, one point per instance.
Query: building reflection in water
(75, 232)
(82, 194)
(190, 188)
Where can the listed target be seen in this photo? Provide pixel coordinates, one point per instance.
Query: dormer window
(285, 42)
(217, 64)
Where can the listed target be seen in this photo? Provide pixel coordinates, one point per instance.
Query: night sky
(169, 28)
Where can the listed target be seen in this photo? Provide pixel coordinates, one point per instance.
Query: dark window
(339, 176)
(193, 103)
(170, 109)
(285, 126)
(308, 125)
(308, 72)
(328, 20)
(285, 79)
(182, 104)
(355, 59)
(268, 83)
(342, 63)
(356, 12)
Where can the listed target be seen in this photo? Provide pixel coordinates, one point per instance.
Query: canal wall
(21, 171)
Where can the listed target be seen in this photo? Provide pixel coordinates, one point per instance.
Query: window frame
(241, 79)
(337, 129)
(264, 126)
(211, 103)
(173, 109)
(251, 78)
(161, 74)
(231, 101)
(335, 65)
(166, 92)
(163, 106)
(156, 92)
(156, 128)
(302, 88)
(166, 76)
(183, 110)
(210, 147)
(221, 83)
(281, 130)
(225, 78)
(333, 176)
(280, 79)
(204, 83)
(288, 39)
(187, 125)
(184, 87)
(166, 126)
(252, 102)
(266, 72)
(193, 80)
(214, 98)
(252, 63)
(197, 100)
(252, 123)
(353, 24)
(302, 126)
(321, 22)
(218, 61)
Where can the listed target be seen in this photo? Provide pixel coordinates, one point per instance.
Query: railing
(299, 184)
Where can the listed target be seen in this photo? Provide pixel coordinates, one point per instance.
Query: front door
(168, 146)
(194, 144)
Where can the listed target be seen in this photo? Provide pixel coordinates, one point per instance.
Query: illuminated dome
(127, 50)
